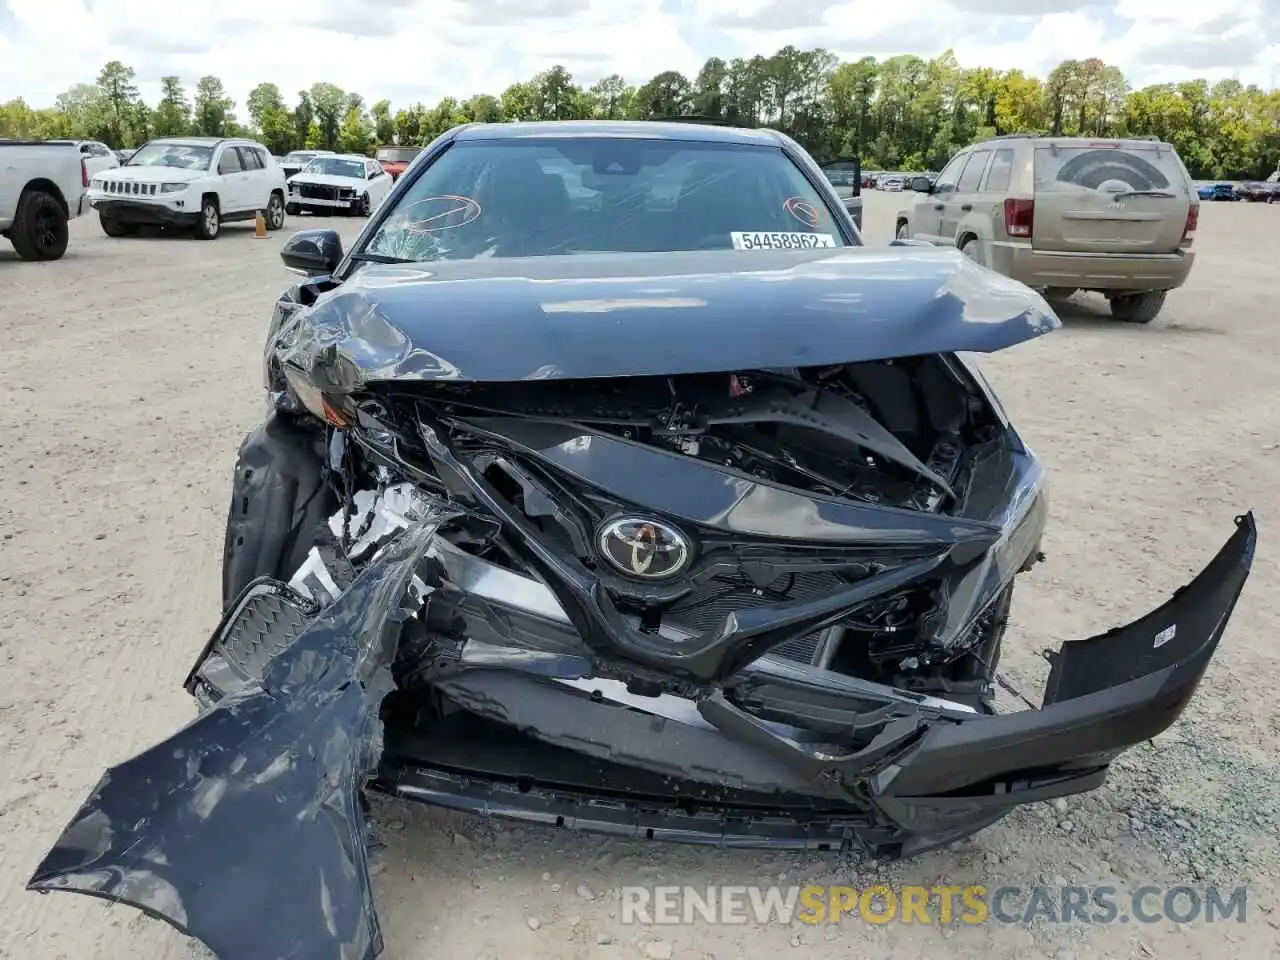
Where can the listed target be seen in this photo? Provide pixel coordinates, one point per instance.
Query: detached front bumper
(244, 828)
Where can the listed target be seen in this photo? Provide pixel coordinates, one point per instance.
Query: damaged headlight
(314, 399)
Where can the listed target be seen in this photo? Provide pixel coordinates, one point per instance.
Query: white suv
(193, 182)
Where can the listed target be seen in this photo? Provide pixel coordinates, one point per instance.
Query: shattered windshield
(545, 197)
(183, 156)
(336, 167)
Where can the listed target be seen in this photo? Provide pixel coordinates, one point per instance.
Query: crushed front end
(762, 606)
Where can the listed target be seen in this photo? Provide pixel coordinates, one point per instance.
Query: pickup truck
(42, 187)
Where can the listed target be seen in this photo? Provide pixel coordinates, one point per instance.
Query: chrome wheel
(275, 212)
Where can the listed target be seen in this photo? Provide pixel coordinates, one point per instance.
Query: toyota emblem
(644, 548)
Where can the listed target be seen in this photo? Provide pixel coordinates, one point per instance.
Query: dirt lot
(131, 372)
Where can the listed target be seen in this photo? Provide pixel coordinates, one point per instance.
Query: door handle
(967, 207)
(939, 206)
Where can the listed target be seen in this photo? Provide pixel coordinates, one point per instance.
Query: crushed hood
(329, 180)
(615, 315)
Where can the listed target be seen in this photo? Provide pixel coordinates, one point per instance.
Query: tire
(903, 232)
(210, 223)
(275, 212)
(365, 207)
(39, 230)
(1138, 307)
(114, 228)
(292, 209)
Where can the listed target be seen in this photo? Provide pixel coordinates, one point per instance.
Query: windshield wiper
(379, 258)
(1143, 193)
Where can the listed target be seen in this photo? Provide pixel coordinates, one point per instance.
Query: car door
(926, 208)
(379, 183)
(257, 183)
(959, 202)
(233, 189)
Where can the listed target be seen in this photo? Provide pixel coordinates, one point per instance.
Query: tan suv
(1063, 214)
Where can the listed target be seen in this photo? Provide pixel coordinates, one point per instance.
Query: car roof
(637, 129)
(342, 156)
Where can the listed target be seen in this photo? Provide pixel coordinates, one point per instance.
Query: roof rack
(1027, 135)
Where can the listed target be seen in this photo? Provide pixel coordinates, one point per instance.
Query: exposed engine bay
(902, 434)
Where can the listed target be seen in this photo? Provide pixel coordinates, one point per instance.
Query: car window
(249, 158)
(230, 162)
(950, 174)
(161, 153)
(1106, 166)
(554, 196)
(336, 167)
(1000, 172)
(973, 171)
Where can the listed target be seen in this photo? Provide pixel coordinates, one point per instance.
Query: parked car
(696, 525)
(338, 183)
(42, 187)
(1258, 191)
(395, 159)
(194, 183)
(124, 155)
(1217, 191)
(892, 184)
(845, 175)
(297, 159)
(97, 156)
(1063, 214)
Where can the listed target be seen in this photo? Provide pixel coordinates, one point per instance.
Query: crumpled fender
(244, 829)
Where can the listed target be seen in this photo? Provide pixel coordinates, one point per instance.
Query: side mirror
(921, 185)
(315, 253)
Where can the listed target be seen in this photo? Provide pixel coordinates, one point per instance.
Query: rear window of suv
(1110, 167)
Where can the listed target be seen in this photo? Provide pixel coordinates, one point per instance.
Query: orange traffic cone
(260, 226)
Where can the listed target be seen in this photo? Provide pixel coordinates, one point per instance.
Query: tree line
(904, 112)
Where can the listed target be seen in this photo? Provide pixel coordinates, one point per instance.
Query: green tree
(384, 125)
(356, 132)
(330, 105)
(119, 94)
(213, 108)
(173, 114)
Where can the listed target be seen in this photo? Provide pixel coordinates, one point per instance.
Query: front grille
(708, 606)
(311, 191)
(130, 188)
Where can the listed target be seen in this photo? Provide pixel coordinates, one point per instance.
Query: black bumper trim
(130, 211)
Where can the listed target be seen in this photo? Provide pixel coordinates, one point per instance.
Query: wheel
(39, 230)
(292, 209)
(903, 232)
(114, 228)
(365, 207)
(210, 223)
(275, 212)
(1138, 307)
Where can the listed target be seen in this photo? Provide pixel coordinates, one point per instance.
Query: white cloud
(424, 49)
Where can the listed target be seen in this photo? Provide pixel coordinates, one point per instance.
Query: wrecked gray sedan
(608, 482)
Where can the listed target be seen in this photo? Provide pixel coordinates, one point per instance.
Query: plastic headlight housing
(172, 187)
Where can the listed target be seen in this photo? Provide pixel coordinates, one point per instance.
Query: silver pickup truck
(42, 187)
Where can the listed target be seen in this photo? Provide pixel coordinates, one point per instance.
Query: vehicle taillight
(84, 174)
(1019, 217)
(1193, 221)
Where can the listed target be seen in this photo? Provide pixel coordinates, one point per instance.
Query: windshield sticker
(781, 241)
(434, 214)
(803, 210)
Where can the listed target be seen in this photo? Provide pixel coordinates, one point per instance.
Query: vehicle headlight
(97, 183)
(172, 187)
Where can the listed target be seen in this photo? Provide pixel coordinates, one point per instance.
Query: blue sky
(424, 49)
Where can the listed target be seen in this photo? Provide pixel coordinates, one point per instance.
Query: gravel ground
(131, 373)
